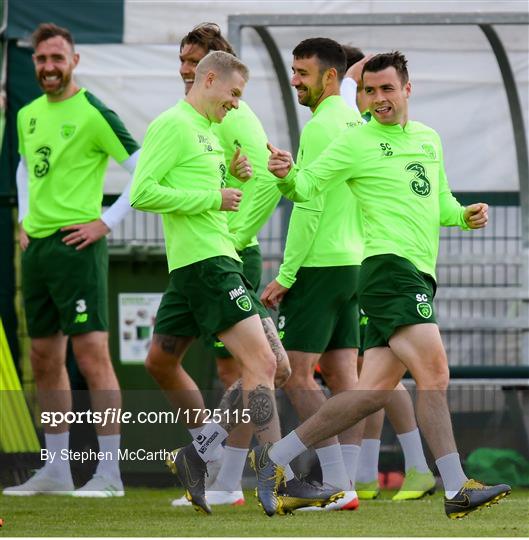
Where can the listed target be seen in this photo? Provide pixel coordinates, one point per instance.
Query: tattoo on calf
(232, 401)
(261, 405)
(273, 339)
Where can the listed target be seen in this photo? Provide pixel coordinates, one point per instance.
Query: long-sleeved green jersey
(397, 174)
(179, 174)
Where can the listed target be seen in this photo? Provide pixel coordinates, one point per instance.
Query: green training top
(327, 230)
(66, 145)
(398, 176)
(241, 128)
(179, 174)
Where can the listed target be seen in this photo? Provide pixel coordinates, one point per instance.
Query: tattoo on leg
(170, 344)
(231, 401)
(261, 405)
(273, 339)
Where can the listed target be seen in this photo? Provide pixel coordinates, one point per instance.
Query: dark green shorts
(252, 268)
(320, 312)
(64, 289)
(206, 297)
(393, 293)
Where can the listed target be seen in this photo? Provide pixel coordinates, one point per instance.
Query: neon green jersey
(179, 174)
(327, 230)
(398, 177)
(241, 128)
(66, 146)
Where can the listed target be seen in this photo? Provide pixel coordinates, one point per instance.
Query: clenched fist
(231, 198)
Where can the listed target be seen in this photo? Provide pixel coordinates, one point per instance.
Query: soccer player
(65, 138)
(419, 480)
(317, 281)
(395, 168)
(240, 129)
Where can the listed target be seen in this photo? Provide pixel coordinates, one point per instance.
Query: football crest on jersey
(67, 131)
(429, 150)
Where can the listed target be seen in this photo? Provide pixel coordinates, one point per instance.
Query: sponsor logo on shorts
(425, 310)
(244, 303)
(419, 184)
(281, 322)
(81, 318)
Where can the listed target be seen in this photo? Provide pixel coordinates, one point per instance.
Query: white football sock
(451, 473)
(286, 449)
(207, 441)
(367, 469)
(108, 466)
(351, 454)
(332, 467)
(56, 442)
(230, 474)
(413, 452)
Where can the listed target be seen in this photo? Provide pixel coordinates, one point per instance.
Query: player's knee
(300, 379)
(436, 377)
(157, 366)
(94, 367)
(332, 380)
(228, 371)
(43, 364)
(266, 365)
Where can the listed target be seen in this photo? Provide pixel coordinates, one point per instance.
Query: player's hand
(280, 161)
(476, 215)
(240, 166)
(231, 199)
(355, 71)
(84, 234)
(273, 294)
(23, 238)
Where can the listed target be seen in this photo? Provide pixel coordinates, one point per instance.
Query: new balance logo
(81, 318)
(235, 293)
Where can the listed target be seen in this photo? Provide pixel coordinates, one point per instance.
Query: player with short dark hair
(315, 290)
(395, 167)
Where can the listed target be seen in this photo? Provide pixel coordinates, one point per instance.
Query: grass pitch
(147, 512)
